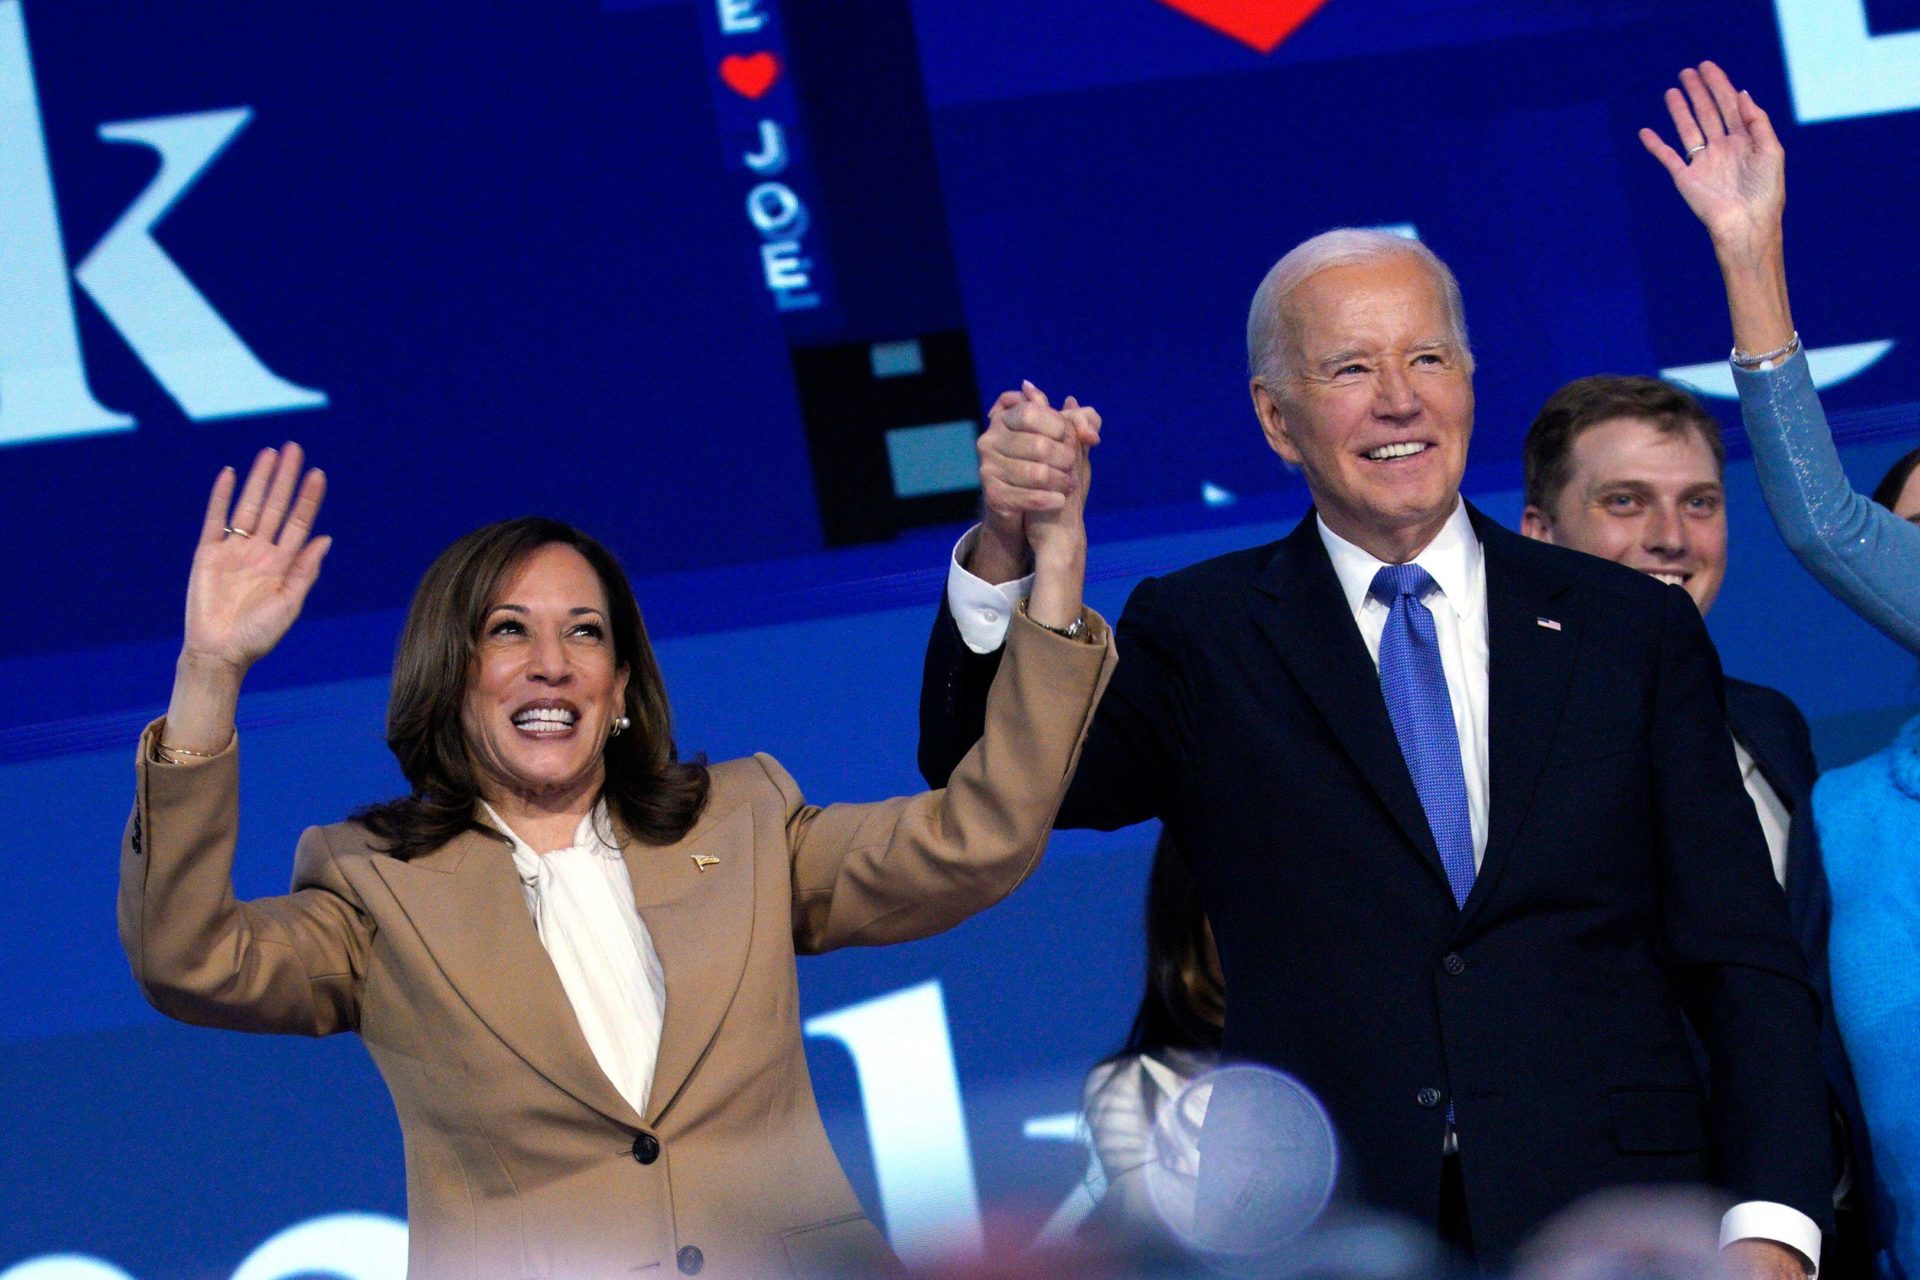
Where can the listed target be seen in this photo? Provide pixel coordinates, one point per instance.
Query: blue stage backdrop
(727, 283)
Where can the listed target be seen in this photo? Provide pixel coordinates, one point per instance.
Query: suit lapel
(466, 903)
(698, 903)
(1529, 666)
(1304, 614)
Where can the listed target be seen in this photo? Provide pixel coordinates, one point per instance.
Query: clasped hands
(1034, 476)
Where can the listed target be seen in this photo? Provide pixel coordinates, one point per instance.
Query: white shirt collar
(1453, 558)
(589, 837)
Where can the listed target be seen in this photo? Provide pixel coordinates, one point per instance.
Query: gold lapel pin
(702, 860)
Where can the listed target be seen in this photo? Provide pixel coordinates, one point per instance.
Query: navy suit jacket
(1775, 734)
(1625, 888)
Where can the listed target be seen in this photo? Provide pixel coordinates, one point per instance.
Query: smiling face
(1648, 498)
(544, 685)
(1377, 407)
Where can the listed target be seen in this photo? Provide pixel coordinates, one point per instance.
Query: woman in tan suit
(571, 955)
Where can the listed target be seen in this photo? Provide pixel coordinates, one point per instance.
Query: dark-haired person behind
(1175, 1037)
(570, 954)
(1633, 470)
(1898, 491)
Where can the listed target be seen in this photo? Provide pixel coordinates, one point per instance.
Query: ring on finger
(1696, 149)
(238, 533)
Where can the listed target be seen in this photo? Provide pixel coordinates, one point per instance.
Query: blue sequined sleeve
(1860, 551)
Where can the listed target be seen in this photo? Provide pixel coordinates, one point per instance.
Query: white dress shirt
(581, 899)
(1458, 603)
(982, 610)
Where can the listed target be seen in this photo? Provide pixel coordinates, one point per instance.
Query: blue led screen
(487, 260)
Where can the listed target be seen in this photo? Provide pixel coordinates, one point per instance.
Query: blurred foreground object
(1640, 1233)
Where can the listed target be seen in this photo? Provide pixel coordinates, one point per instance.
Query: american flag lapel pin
(702, 861)
(1548, 623)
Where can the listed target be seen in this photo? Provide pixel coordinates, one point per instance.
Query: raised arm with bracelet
(1733, 176)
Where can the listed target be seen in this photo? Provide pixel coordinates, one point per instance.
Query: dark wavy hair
(651, 793)
(1185, 1003)
(1894, 483)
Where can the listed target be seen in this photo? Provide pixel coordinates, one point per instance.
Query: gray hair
(1267, 344)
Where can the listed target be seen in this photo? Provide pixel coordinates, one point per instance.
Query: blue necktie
(1415, 686)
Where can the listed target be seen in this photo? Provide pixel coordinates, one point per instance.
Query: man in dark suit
(1462, 806)
(1632, 470)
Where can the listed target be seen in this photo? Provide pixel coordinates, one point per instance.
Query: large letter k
(194, 354)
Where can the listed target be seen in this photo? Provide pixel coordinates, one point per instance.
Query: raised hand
(256, 559)
(1733, 177)
(1056, 530)
(1733, 172)
(1085, 421)
(255, 562)
(1076, 423)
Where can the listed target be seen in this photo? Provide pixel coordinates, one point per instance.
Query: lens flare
(1242, 1162)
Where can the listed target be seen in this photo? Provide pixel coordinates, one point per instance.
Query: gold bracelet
(167, 752)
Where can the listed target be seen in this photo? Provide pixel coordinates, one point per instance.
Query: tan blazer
(522, 1159)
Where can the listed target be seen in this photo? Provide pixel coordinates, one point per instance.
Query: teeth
(544, 718)
(1671, 579)
(1386, 451)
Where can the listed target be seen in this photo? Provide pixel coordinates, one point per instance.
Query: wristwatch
(1073, 631)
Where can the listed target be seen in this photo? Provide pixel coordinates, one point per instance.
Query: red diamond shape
(1258, 24)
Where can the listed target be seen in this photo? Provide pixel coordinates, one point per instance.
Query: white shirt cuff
(1782, 1224)
(981, 610)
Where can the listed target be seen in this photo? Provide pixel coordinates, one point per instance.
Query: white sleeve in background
(1780, 1223)
(981, 610)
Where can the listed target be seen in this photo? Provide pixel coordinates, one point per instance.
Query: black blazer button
(690, 1260)
(1428, 1097)
(1455, 963)
(646, 1149)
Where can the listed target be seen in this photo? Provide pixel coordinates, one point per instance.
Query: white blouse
(581, 899)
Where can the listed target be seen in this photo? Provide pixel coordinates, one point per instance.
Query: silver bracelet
(1745, 361)
(1072, 632)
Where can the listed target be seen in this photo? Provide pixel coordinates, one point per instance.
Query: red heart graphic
(750, 75)
(1258, 24)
